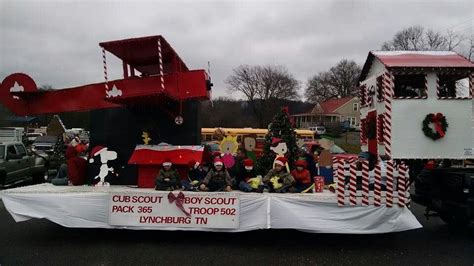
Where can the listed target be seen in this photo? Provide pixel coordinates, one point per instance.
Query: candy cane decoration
(402, 172)
(340, 183)
(365, 183)
(377, 182)
(389, 195)
(353, 184)
(104, 62)
(160, 57)
(388, 92)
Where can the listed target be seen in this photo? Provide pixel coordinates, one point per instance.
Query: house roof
(328, 107)
(331, 105)
(396, 59)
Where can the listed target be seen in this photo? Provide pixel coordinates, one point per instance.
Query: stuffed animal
(276, 182)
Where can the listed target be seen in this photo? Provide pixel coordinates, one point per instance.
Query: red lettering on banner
(146, 199)
(164, 220)
(192, 200)
(126, 209)
(201, 220)
(219, 201)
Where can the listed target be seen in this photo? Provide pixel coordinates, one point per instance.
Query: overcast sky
(56, 43)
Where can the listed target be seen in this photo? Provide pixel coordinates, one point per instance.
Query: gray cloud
(57, 42)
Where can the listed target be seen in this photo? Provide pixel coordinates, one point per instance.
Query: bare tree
(418, 38)
(262, 85)
(340, 80)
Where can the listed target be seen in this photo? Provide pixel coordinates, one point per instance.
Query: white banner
(174, 209)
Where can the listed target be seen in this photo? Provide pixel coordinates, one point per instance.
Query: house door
(372, 132)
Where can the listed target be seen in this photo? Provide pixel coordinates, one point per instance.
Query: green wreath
(440, 126)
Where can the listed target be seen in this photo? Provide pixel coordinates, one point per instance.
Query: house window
(410, 86)
(355, 107)
(454, 86)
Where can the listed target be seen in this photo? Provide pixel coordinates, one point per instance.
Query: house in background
(331, 111)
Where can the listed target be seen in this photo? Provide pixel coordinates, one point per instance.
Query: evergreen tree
(282, 128)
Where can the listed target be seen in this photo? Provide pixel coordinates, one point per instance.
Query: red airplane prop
(152, 73)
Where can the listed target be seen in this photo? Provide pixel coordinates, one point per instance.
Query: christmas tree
(282, 128)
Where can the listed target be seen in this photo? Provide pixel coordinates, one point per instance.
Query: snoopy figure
(105, 156)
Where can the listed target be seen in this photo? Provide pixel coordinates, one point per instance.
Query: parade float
(152, 114)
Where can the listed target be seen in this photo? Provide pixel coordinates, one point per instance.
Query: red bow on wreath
(436, 119)
(179, 200)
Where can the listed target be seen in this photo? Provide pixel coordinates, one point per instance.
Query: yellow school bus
(208, 134)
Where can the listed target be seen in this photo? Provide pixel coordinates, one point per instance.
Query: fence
(387, 184)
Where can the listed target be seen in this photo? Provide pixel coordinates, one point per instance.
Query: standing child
(278, 179)
(302, 176)
(217, 179)
(168, 178)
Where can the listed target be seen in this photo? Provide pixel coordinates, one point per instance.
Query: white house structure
(417, 105)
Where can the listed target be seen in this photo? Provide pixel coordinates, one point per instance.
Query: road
(40, 242)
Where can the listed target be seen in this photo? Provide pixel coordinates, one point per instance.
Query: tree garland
(440, 126)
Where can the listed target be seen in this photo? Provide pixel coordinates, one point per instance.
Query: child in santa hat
(302, 176)
(195, 176)
(168, 178)
(217, 179)
(278, 179)
(248, 181)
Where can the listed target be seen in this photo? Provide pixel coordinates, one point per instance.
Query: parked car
(45, 146)
(16, 165)
(31, 137)
(320, 130)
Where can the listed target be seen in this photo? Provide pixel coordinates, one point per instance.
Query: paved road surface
(40, 242)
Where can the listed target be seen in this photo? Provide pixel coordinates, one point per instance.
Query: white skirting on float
(88, 207)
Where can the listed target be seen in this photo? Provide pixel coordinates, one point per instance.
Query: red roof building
(330, 111)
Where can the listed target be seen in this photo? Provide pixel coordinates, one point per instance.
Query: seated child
(248, 181)
(168, 178)
(195, 176)
(278, 179)
(217, 179)
(302, 176)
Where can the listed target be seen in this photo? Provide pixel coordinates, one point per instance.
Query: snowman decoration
(104, 155)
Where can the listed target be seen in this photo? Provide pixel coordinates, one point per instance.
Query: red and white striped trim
(389, 194)
(160, 57)
(104, 62)
(340, 183)
(353, 184)
(388, 94)
(402, 172)
(365, 183)
(377, 185)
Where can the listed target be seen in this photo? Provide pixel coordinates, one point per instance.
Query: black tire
(2, 179)
(38, 178)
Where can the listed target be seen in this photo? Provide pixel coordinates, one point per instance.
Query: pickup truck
(16, 165)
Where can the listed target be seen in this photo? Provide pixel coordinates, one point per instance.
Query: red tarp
(157, 154)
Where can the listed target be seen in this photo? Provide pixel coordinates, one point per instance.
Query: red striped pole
(389, 194)
(340, 183)
(402, 171)
(365, 183)
(160, 57)
(388, 94)
(104, 62)
(377, 183)
(353, 184)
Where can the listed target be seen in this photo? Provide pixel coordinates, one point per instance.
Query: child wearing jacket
(278, 179)
(168, 178)
(217, 179)
(195, 176)
(248, 181)
(302, 176)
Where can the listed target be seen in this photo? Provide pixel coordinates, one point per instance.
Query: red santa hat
(281, 161)
(96, 151)
(301, 163)
(248, 164)
(216, 154)
(167, 162)
(275, 141)
(218, 161)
